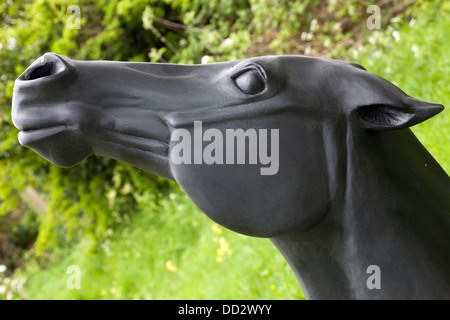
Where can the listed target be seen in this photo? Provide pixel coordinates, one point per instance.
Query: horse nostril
(41, 71)
(47, 65)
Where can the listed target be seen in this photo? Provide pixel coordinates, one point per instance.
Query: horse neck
(392, 211)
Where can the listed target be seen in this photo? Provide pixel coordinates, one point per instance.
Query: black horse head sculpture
(315, 154)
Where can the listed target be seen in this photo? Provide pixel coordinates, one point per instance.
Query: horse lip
(31, 136)
(23, 123)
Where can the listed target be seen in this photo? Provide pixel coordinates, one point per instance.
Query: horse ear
(386, 117)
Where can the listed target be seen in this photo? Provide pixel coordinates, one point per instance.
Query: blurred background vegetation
(134, 235)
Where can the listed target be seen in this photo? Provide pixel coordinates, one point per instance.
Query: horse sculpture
(315, 154)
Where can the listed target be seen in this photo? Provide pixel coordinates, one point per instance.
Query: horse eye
(250, 80)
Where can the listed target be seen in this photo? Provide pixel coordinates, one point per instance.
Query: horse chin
(60, 145)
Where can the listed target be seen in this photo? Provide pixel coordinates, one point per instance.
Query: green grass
(171, 252)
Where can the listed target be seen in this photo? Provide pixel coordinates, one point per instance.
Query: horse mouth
(29, 137)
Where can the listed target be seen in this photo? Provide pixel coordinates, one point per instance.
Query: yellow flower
(272, 287)
(219, 259)
(225, 246)
(216, 229)
(171, 267)
(223, 249)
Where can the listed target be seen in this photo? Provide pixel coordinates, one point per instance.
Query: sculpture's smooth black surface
(353, 187)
